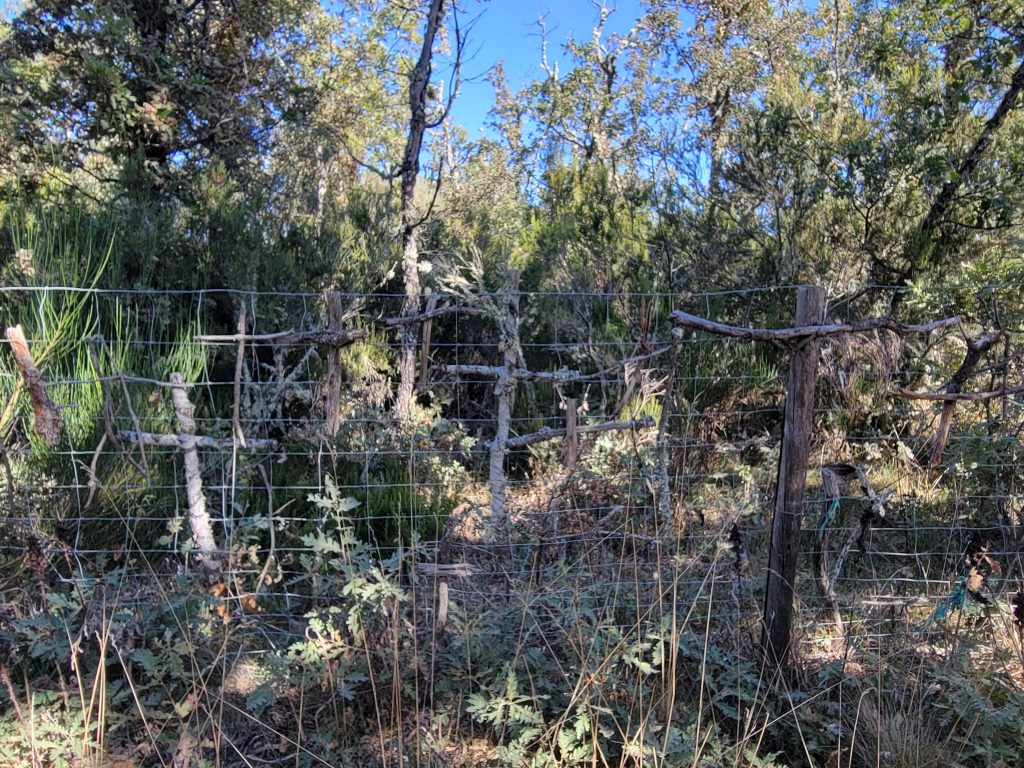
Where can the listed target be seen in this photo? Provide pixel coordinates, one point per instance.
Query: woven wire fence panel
(659, 524)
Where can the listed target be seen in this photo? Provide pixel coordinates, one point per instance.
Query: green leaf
(145, 658)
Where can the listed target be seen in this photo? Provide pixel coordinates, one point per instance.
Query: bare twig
(975, 349)
(332, 398)
(496, 371)
(504, 391)
(128, 402)
(94, 481)
(108, 403)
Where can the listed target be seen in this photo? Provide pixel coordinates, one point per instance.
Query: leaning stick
(47, 419)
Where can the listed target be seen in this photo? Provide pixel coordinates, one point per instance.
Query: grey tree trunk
(419, 81)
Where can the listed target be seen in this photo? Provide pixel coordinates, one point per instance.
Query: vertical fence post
(332, 406)
(572, 438)
(428, 326)
(504, 390)
(789, 495)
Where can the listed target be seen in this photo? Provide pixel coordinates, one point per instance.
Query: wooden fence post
(332, 401)
(425, 344)
(572, 439)
(504, 390)
(792, 477)
(199, 518)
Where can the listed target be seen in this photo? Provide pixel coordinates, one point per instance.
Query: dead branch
(977, 397)
(827, 574)
(108, 402)
(143, 467)
(332, 399)
(47, 418)
(200, 441)
(430, 315)
(426, 330)
(975, 349)
(552, 434)
(447, 570)
(796, 335)
(826, 585)
(504, 392)
(663, 482)
(497, 371)
(419, 81)
(328, 338)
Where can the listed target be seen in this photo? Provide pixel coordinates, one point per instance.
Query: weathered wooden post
(803, 341)
(504, 391)
(199, 518)
(572, 438)
(332, 401)
(789, 495)
(428, 324)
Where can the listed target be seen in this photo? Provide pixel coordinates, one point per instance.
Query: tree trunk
(419, 81)
(921, 250)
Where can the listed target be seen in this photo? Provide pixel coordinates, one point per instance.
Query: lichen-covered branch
(199, 519)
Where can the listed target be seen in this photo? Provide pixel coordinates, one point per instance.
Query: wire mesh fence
(637, 483)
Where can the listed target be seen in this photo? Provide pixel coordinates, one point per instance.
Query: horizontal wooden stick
(551, 434)
(955, 396)
(494, 371)
(201, 441)
(802, 333)
(439, 312)
(288, 338)
(449, 570)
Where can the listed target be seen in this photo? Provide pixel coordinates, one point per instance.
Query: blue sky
(507, 31)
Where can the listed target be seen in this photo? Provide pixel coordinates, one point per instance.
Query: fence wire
(676, 509)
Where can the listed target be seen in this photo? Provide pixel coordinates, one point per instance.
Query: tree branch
(439, 312)
(551, 434)
(293, 338)
(790, 336)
